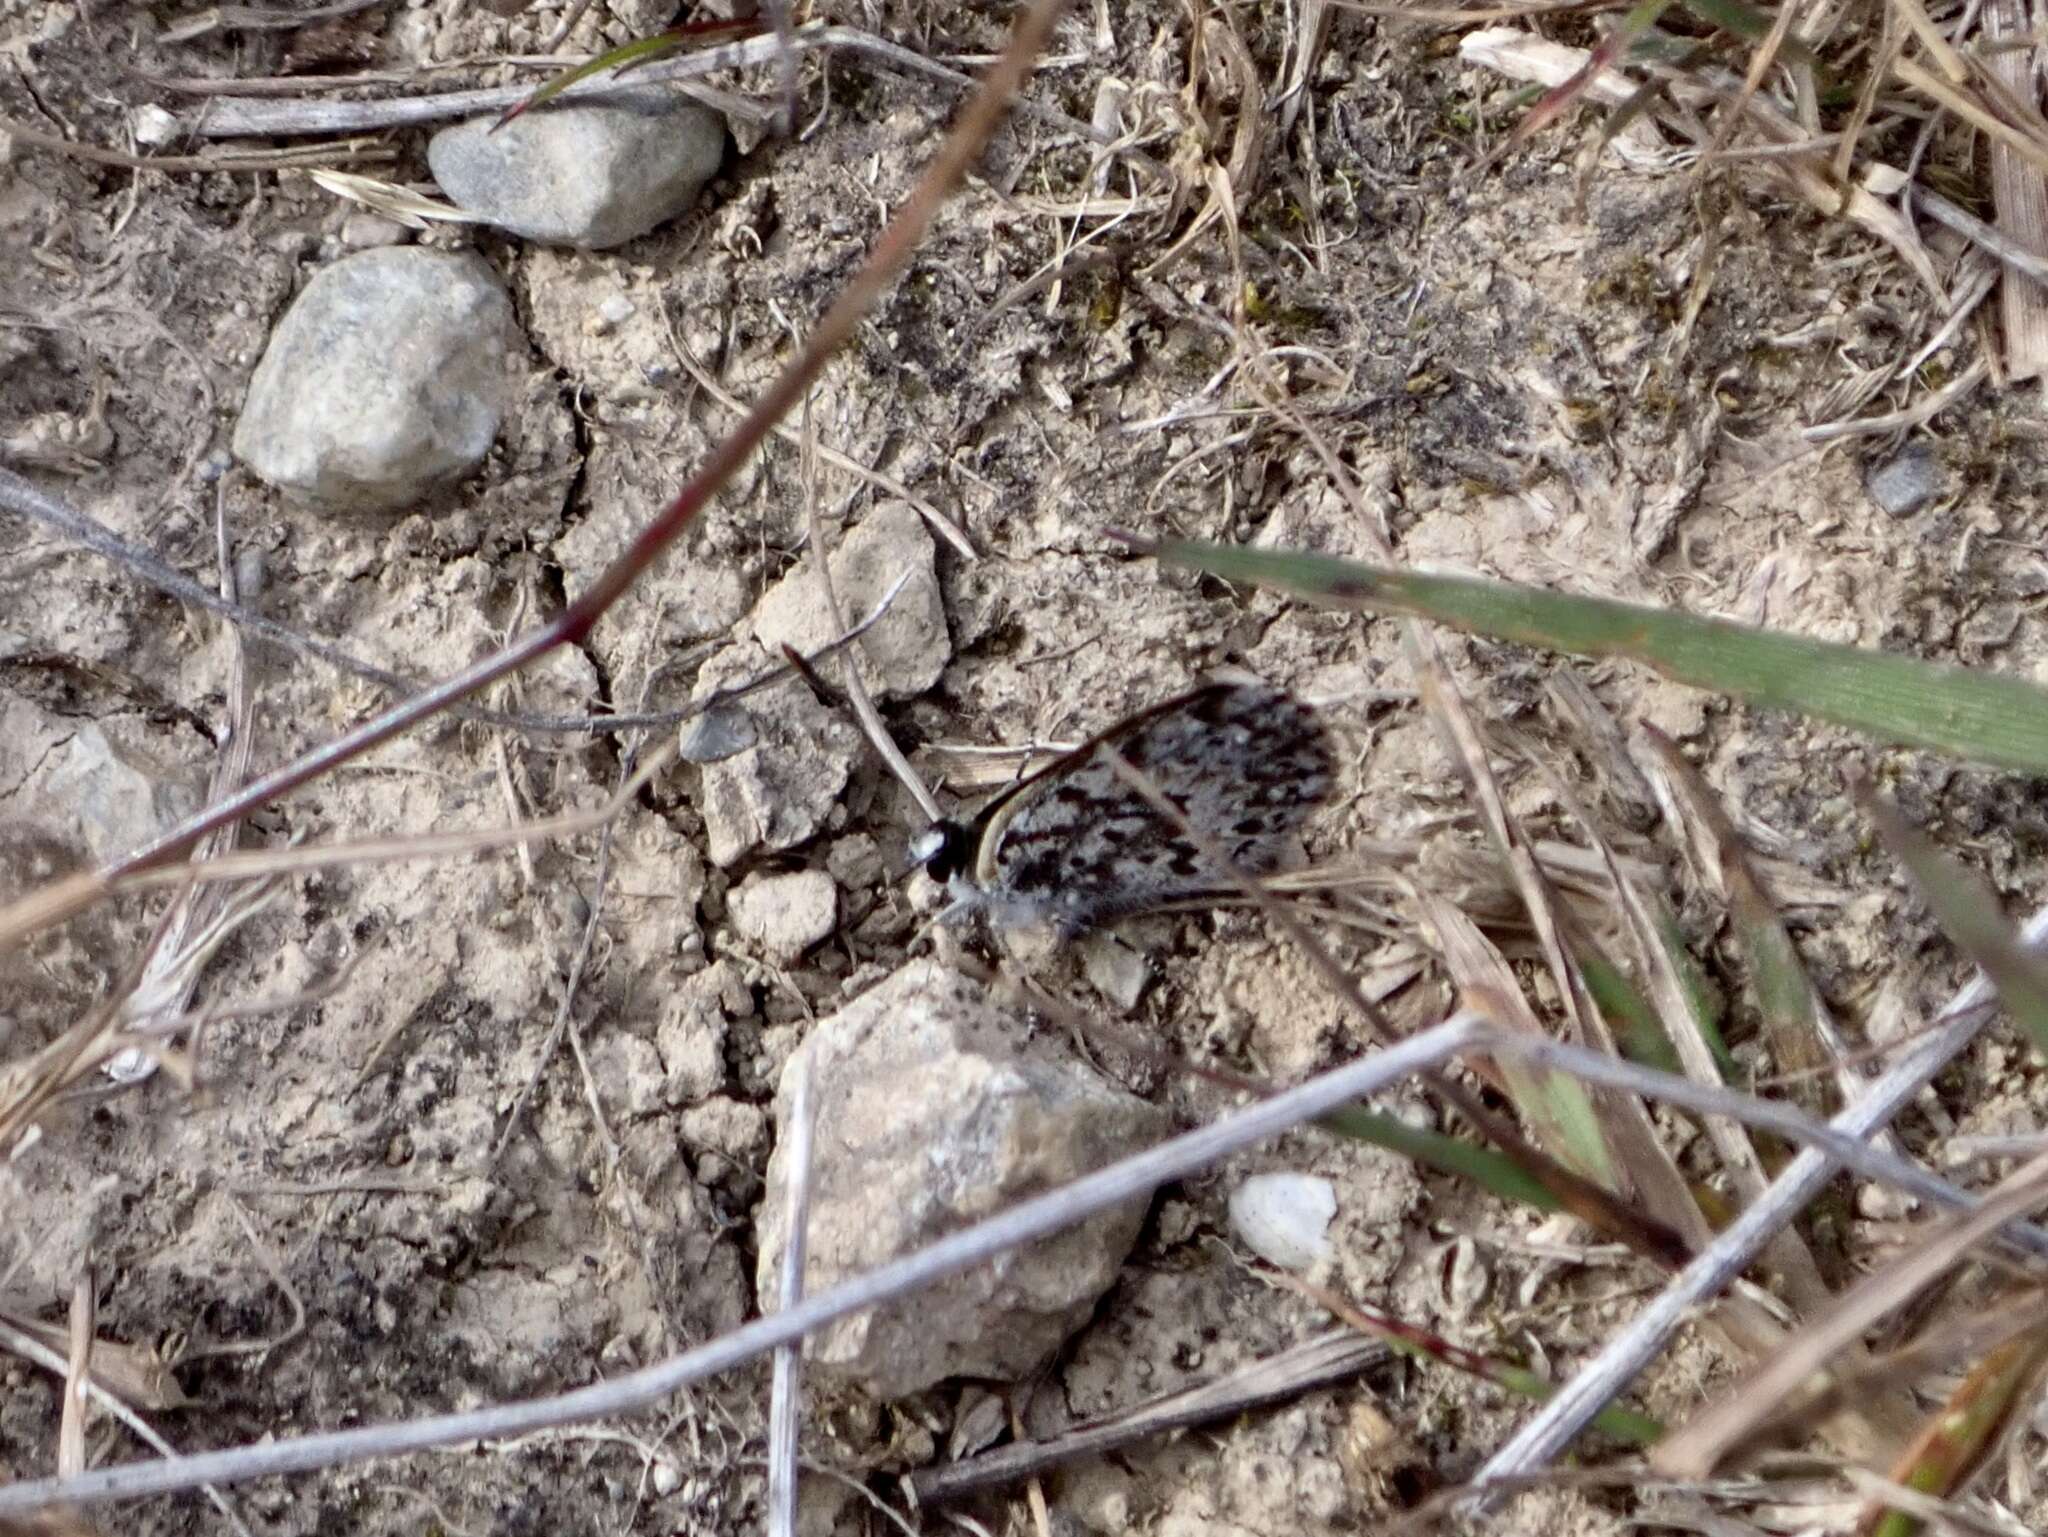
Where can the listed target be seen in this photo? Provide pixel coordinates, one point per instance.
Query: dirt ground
(359, 1214)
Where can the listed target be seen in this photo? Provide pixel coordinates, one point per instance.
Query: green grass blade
(1977, 715)
(1970, 915)
(639, 51)
(1489, 1170)
(1637, 1030)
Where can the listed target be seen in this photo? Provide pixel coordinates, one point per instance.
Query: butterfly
(1073, 846)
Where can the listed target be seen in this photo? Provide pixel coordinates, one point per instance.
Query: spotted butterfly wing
(1073, 846)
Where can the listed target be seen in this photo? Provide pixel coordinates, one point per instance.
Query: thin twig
(299, 157)
(786, 1397)
(871, 722)
(235, 118)
(1329, 1358)
(941, 525)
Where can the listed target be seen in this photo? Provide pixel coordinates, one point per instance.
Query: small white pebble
(616, 309)
(152, 126)
(1285, 1218)
(666, 1478)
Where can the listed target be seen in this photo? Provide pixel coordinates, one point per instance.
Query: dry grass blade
(1802, 1039)
(1556, 1107)
(1968, 912)
(1975, 1334)
(1624, 1425)
(2020, 191)
(1324, 1361)
(403, 204)
(1962, 1433)
(1720, 1432)
(1639, 20)
(302, 157)
(130, 1373)
(1636, 1344)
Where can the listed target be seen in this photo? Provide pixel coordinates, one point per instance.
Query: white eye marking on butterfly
(1074, 846)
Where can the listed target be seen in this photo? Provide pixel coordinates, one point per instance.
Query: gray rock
(927, 1120)
(781, 789)
(594, 175)
(719, 733)
(1907, 483)
(386, 379)
(690, 1035)
(728, 1126)
(632, 1071)
(1115, 969)
(785, 914)
(908, 647)
(111, 794)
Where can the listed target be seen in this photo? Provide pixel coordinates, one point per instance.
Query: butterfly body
(1074, 845)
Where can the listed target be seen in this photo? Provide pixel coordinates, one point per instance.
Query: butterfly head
(945, 849)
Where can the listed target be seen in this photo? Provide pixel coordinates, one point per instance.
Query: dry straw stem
(1321, 1362)
(2021, 194)
(1644, 1337)
(1752, 1407)
(303, 157)
(1967, 1337)
(234, 118)
(892, 252)
(785, 1400)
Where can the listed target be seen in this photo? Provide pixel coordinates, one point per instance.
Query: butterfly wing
(1074, 845)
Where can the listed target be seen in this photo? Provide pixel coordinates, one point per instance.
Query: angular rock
(785, 914)
(779, 790)
(927, 1120)
(114, 797)
(1906, 484)
(907, 649)
(691, 1033)
(386, 379)
(594, 175)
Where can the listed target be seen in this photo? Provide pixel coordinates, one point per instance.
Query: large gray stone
(387, 378)
(928, 1119)
(593, 175)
